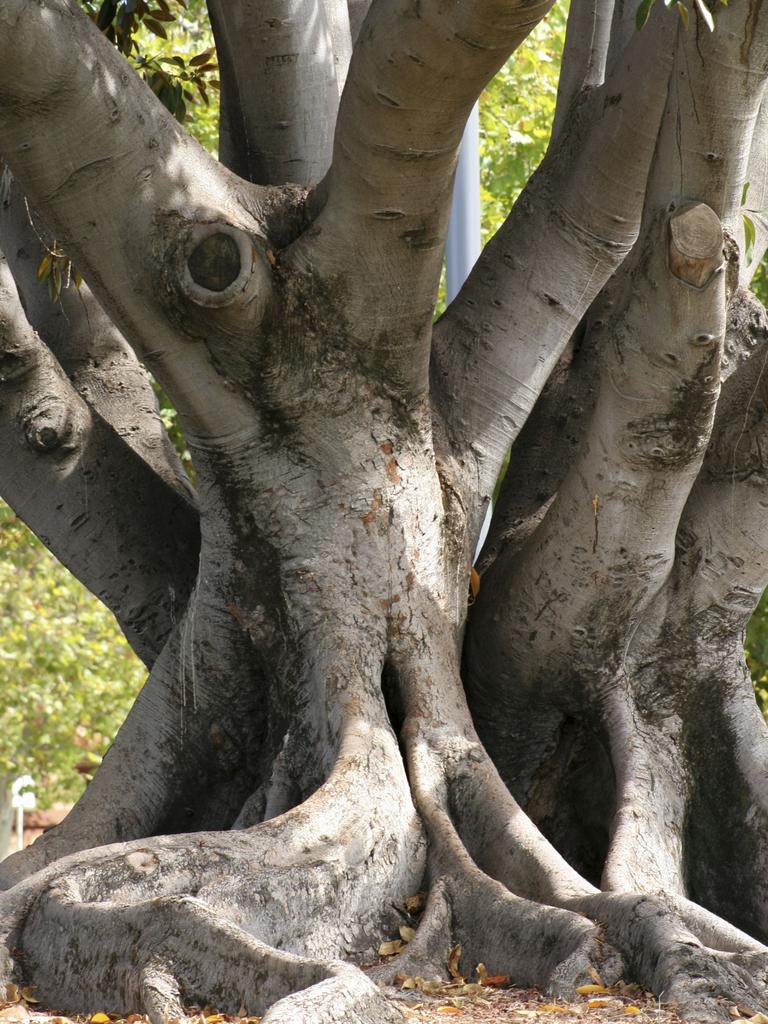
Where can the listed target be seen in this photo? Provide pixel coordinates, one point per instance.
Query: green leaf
(744, 190)
(643, 12)
(106, 14)
(202, 58)
(155, 27)
(44, 267)
(682, 10)
(749, 238)
(706, 14)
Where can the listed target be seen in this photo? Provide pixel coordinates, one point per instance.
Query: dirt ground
(494, 1004)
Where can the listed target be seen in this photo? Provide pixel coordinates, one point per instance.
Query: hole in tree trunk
(393, 701)
(215, 263)
(573, 796)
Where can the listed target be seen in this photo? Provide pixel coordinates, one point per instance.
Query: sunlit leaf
(415, 904)
(454, 958)
(390, 948)
(706, 14)
(44, 267)
(749, 238)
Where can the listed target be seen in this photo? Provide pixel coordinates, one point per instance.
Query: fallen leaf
(12, 994)
(555, 1008)
(16, 1013)
(415, 904)
(28, 994)
(496, 980)
(407, 934)
(385, 949)
(599, 1004)
(632, 1009)
(590, 990)
(758, 1018)
(406, 983)
(474, 585)
(454, 958)
(594, 975)
(448, 1009)
(99, 1018)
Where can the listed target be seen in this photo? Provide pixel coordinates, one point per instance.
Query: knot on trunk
(695, 244)
(48, 425)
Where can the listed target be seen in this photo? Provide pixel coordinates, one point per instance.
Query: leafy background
(67, 676)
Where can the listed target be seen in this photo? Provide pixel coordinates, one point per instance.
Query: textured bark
(575, 774)
(118, 525)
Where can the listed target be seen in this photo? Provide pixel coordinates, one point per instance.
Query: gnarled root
(248, 917)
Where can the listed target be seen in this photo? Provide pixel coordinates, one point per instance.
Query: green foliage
(169, 43)
(171, 47)
(757, 652)
(516, 112)
(67, 676)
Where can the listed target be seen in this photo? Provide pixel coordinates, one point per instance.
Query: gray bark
(576, 773)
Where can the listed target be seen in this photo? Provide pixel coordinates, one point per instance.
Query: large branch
(573, 225)
(98, 361)
(282, 65)
(571, 598)
(722, 539)
(585, 53)
(755, 205)
(136, 202)
(544, 450)
(416, 71)
(124, 532)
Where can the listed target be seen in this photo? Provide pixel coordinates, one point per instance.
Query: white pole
(463, 244)
(23, 799)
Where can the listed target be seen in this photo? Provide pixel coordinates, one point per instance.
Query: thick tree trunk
(576, 774)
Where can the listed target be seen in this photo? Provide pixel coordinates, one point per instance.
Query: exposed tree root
(261, 917)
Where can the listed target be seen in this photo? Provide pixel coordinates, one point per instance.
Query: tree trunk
(575, 771)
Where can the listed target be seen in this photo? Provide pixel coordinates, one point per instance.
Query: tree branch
(282, 65)
(358, 9)
(722, 539)
(123, 531)
(79, 129)
(573, 225)
(587, 39)
(415, 73)
(95, 357)
(755, 205)
(544, 450)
